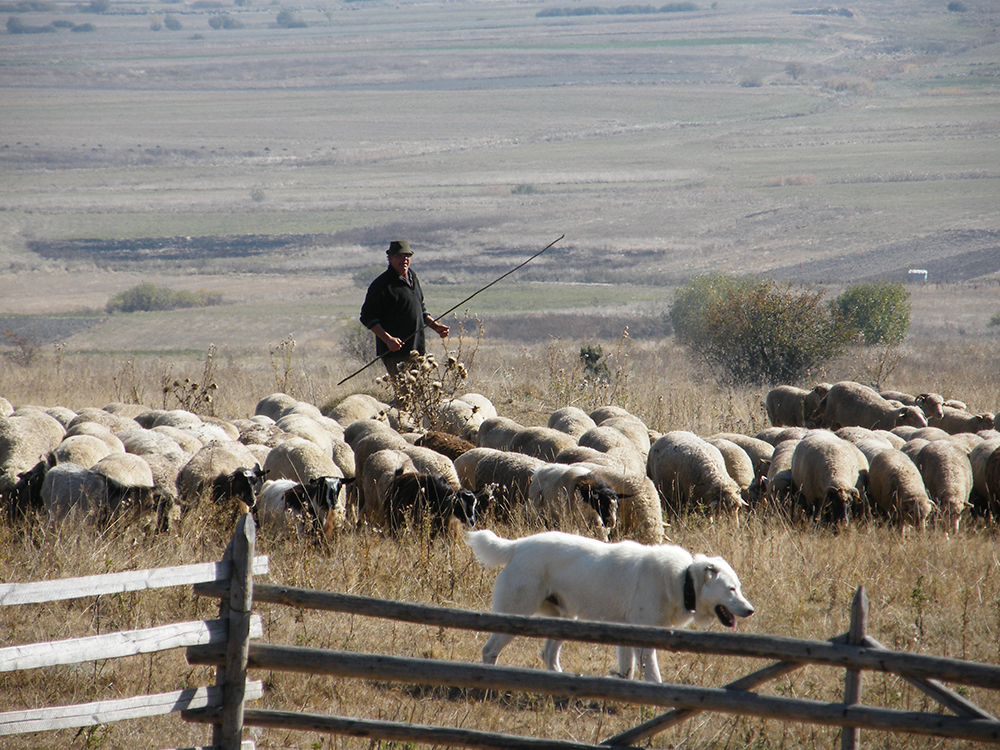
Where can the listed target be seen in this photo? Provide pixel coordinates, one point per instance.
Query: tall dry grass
(930, 593)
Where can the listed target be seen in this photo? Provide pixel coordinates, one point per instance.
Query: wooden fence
(233, 629)
(854, 652)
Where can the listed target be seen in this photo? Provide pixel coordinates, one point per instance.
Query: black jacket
(399, 307)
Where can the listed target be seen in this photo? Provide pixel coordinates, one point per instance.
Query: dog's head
(712, 592)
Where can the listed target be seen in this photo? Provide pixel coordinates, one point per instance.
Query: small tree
(754, 332)
(879, 312)
(288, 19)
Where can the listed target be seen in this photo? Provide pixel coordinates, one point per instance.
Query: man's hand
(441, 329)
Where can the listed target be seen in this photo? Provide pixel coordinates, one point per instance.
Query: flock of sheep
(834, 453)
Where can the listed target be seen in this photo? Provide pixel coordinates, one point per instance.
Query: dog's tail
(491, 550)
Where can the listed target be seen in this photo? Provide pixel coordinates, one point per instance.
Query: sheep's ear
(623, 496)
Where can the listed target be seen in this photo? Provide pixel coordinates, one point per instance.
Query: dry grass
(933, 593)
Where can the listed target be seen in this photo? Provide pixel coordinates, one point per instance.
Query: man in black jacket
(394, 310)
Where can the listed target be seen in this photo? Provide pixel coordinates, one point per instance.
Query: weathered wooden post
(850, 736)
(233, 677)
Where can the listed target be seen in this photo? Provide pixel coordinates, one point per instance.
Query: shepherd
(394, 310)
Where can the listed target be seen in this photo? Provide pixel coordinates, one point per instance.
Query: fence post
(233, 677)
(851, 736)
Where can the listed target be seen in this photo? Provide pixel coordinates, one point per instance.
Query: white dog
(563, 575)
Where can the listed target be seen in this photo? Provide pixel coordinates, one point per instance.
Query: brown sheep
(444, 443)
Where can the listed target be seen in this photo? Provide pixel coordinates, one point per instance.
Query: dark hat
(399, 247)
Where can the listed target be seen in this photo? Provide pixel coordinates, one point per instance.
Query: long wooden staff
(452, 309)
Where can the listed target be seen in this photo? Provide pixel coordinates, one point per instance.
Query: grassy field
(662, 146)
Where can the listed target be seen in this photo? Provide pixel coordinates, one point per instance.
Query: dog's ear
(711, 571)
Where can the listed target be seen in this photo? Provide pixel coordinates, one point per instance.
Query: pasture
(482, 132)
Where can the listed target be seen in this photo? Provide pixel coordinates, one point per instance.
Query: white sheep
(541, 442)
(61, 414)
(606, 412)
(497, 432)
(465, 466)
(99, 431)
(739, 467)
(776, 435)
(897, 489)
(510, 474)
(26, 437)
(113, 422)
(954, 421)
(215, 461)
(572, 420)
(688, 471)
(358, 406)
(483, 406)
(375, 480)
(632, 428)
(274, 406)
(985, 494)
(947, 475)
(778, 484)
(785, 406)
(143, 442)
(83, 450)
(827, 473)
(759, 451)
(849, 403)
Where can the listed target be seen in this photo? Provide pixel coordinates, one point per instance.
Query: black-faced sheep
(688, 472)
(217, 460)
(26, 496)
(897, 489)
(117, 485)
(416, 500)
(640, 513)
(285, 505)
(849, 403)
(568, 496)
(826, 473)
(947, 475)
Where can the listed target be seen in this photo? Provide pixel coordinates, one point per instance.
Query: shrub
(795, 69)
(172, 23)
(594, 366)
(956, 7)
(84, 27)
(751, 82)
(879, 312)
(147, 297)
(995, 320)
(756, 332)
(98, 6)
(287, 19)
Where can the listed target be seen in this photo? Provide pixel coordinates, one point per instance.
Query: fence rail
(855, 652)
(231, 688)
(227, 644)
